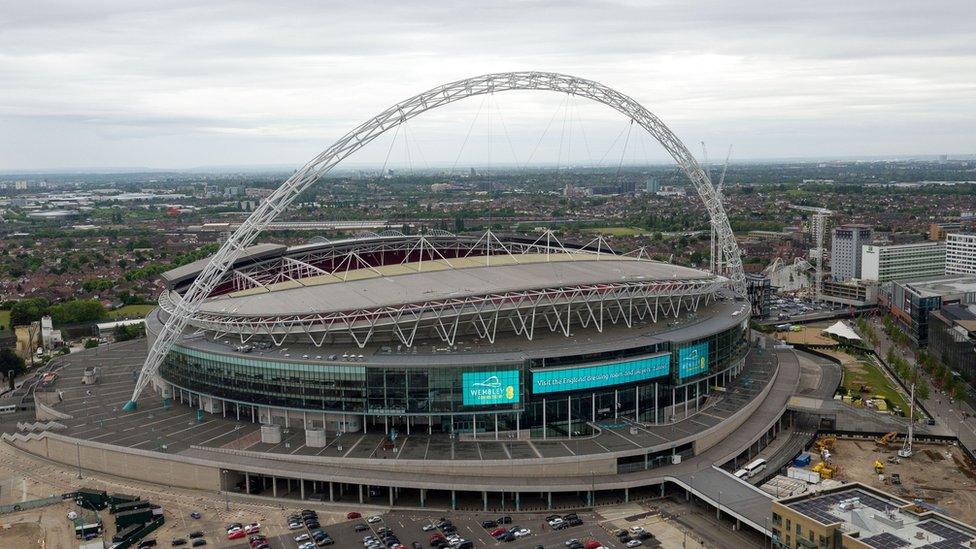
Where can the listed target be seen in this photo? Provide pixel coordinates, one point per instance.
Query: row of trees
(75, 311)
(943, 376)
(866, 330)
(909, 373)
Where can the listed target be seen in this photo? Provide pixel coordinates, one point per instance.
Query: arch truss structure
(359, 137)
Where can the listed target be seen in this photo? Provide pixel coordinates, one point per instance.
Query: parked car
(374, 519)
(199, 542)
(353, 515)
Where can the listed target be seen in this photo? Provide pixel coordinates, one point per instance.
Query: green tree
(77, 310)
(91, 343)
(10, 361)
(26, 311)
(132, 331)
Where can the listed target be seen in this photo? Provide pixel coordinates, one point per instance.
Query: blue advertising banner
(693, 360)
(487, 388)
(603, 375)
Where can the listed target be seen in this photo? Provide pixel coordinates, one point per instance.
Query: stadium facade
(396, 333)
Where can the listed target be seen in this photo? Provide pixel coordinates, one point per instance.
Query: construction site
(940, 477)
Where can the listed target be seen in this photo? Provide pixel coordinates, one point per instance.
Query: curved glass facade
(640, 382)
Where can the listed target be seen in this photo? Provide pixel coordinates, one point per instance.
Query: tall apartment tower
(845, 250)
(960, 253)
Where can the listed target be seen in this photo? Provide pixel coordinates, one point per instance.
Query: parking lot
(787, 308)
(408, 526)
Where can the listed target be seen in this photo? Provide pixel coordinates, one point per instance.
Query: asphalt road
(951, 416)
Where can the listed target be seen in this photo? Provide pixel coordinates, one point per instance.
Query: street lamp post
(223, 488)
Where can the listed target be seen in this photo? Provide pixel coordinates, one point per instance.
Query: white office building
(846, 242)
(960, 253)
(903, 261)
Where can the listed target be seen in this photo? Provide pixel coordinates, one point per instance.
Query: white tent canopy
(842, 331)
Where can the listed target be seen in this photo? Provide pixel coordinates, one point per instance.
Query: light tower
(818, 222)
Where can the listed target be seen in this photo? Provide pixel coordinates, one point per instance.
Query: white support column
(637, 404)
(656, 408)
(686, 400)
(496, 426)
(616, 403)
(674, 402)
(569, 416)
(544, 430)
(593, 407)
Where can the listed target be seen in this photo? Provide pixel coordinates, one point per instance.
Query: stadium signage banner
(488, 388)
(603, 375)
(693, 360)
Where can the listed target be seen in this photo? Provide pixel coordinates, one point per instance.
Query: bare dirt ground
(23, 477)
(937, 474)
(807, 336)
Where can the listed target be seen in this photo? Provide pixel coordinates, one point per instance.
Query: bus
(741, 474)
(8, 408)
(755, 467)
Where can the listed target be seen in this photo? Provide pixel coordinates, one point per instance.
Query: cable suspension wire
(273, 205)
(586, 143)
(468, 135)
(623, 151)
(388, 151)
(544, 132)
(501, 119)
(612, 145)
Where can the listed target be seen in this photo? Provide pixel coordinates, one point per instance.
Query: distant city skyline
(227, 84)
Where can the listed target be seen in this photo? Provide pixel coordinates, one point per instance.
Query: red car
(236, 534)
(353, 515)
(592, 544)
(497, 532)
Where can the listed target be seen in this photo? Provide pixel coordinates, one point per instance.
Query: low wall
(43, 412)
(158, 468)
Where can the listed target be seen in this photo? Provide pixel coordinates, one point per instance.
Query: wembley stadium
(434, 370)
(443, 333)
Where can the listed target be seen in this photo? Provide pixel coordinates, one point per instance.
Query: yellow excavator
(886, 439)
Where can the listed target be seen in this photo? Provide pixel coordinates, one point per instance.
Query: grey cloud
(207, 79)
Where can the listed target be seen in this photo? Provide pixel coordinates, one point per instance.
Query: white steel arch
(392, 117)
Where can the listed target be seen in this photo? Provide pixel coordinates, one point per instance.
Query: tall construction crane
(818, 222)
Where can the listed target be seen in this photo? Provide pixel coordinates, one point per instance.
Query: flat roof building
(960, 253)
(903, 261)
(858, 516)
(910, 302)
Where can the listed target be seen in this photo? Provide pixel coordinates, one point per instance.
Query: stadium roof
(187, 272)
(404, 285)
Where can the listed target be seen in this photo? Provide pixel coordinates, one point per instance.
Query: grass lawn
(5, 319)
(616, 231)
(130, 311)
(870, 374)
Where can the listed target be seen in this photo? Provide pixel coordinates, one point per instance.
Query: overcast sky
(180, 84)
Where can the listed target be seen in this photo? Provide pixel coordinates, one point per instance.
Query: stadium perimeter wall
(172, 470)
